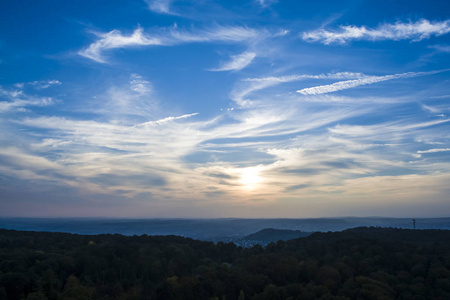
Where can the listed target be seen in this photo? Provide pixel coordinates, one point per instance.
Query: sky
(208, 109)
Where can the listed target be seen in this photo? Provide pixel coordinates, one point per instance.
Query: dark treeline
(361, 263)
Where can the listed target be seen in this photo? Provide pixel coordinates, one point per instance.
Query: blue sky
(259, 108)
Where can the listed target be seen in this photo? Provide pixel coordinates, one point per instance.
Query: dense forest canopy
(360, 263)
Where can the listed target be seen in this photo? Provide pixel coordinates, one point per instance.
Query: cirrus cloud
(348, 84)
(166, 37)
(237, 62)
(434, 150)
(415, 31)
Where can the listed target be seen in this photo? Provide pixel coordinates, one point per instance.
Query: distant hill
(385, 234)
(273, 235)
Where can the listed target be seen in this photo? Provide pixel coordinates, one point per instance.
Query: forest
(360, 263)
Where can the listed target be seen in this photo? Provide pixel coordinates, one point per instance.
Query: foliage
(361, 263)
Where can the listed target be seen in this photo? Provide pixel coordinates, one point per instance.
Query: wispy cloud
(431, 109)
(19, 105)
(124, 101)
(348, 84)
(45, 84)
(415, 31)
(42, 84)
(380, 129)
(160, 6)
(139, 85)
(266, 3)
(441, 48)
(438, 110)
(87, 154)
(167, 119)
(166, 37)
(251, 85)
(254, 152)
(153, 137)
(434, 150)
(291, 78)
(215, 34)
(114, 39)
(18, 100)
(237, 62)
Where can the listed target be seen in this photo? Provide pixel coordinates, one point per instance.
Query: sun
(250, 177)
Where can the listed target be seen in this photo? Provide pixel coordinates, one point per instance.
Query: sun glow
(250, 178)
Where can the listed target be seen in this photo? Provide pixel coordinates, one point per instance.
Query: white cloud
(139, 85)
(440, 97)
(414, 188)
(343, 85)
(215, 34)
(50, 143)
(167, 119)
(430, 109)
(114, 39)
(434, 150)
(160, 6)
(237, 62)
(380, 129)
(416, 31)
(275, 144)
(266, 3)
(124, 101)
(437, 110)
(254, 84)
(45, 84)
(290, 78)
(165, 37)
(17, 100)
(42, 84)
(441, 48)
(32, 162)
